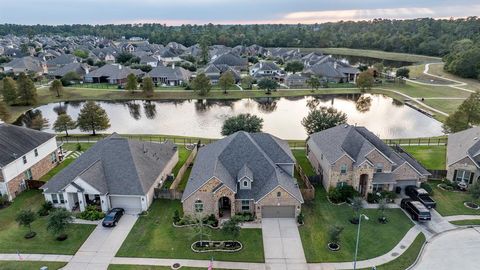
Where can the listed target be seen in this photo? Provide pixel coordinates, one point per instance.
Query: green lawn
(407, 258)
(184, 181)
(24, 265)
(447, 105)
(73, 146)
(153, 236)
(11, 235)
(431, 157)
(473, 222)
(376, 239)
(183, 154)
(150, 267)
(57, 169)
(303, 161)
(450, 203)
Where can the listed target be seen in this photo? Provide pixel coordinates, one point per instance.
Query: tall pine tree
(27, 93)
(9, 90)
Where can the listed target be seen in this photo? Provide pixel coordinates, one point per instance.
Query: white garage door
(131, 205)
(278, 211)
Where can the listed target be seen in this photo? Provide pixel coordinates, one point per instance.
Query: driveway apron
(282, 245)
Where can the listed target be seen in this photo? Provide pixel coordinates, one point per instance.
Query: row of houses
(244, 172)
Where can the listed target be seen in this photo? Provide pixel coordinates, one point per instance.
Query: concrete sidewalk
(189, 263)
(35, 257)
(101, 246)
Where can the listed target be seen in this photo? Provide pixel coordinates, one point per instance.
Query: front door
(362, 188)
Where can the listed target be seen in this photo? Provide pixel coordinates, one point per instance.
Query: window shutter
(454, 176)
(471, 178)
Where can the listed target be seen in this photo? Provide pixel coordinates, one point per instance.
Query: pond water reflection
(282, 116)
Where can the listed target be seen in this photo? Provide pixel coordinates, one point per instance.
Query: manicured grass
(407, 258)
(24, 265)
(473, 222)
(437, 69)
(303, 161)
(431, 157)
(11, 235)
(184, 181)
(57, 169)
(450, 203)
(425, 91)
(375, 54)
(183, 154)
(154, 236)
(376, 239)
(73, 145)
(150, 267)
(445, 105)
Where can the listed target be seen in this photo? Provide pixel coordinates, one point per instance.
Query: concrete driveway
(456, 249)
(101, 246)
(282, 245)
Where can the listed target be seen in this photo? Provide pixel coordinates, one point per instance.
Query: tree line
(421, 36)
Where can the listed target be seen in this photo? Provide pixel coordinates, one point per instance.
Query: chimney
(335, 65)
(173, 66)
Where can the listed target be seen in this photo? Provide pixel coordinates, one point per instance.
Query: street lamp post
(358, 238)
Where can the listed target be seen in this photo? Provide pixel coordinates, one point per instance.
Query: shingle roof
(462, 144)
(27, 62)
(171, 73)
(16, 141)
(261, 153)
(230, 59)
(113, 71)
(79, 68)
(117, 166)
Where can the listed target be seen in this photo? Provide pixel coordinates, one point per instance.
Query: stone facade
(272, 199)
(464, 164)
(39, 169)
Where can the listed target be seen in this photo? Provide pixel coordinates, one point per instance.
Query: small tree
(268, 84)
(294, 66)
(382, 208)
(232, 228)
(365, 80)
(39, 123)
(9, 90)
(357, 206)
(201, 84)
(58, 223)
(4, 112)
(93, 118)
(27, 93)
(474, 191)
(323, 118)
(147, 86)
(334, 235)
(131, 83)
(242, 122)
(64, 123)
(226, 81)
(56, 87)
(70, 77)
(198, 229)
(26, 218)
(314, 83)
(247, 82)
(402, 73)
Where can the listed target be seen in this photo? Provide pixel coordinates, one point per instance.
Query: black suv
(416, 209)
(112, 217)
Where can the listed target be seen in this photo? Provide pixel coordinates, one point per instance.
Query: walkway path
(100, 248)
(455, 249)
(189, 263)
(282, 245)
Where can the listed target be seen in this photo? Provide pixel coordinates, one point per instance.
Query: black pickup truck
(421, 195)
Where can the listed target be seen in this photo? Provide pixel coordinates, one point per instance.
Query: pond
(363, 60)
(282, 117)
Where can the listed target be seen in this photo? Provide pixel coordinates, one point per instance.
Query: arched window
(198, 206)
(245, 183)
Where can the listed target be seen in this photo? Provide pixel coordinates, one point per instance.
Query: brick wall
(271, 199)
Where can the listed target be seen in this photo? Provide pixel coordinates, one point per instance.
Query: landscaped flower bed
(214, 246)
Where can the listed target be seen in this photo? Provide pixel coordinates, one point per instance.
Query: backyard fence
(439, 141)
(170, 194)
(307, 189)
(438, 174)
(183, 169)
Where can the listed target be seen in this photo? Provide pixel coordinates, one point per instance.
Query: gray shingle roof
(260, 152)
(27, 63)
(79, 68)
(462, 144)
(171, 73)
(113, 72)
(117, 166)
(230, 59)
(16, 141)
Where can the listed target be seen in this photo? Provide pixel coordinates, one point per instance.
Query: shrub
(341, 193)
(389, 195)
(4, 201)
(427, 187)
(334, 195)
(334, 234)
(211, 220)
(176, 217)
(79, 147)
(91, 213)
(300, 218)
(45, 209)
(245, 216)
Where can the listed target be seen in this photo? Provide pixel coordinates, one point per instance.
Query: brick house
(353, 155)
(244, 172)
(463, 156)
(25, 154)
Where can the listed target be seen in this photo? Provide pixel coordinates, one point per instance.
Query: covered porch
(78, 198)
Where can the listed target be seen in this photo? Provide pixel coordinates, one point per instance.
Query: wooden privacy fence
(169, 194)
(438, 174)
(183, 169)
(307, 190)
(34, 184)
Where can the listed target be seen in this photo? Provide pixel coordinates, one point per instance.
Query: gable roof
(16, 141)
(113, 71)
(229, 59)
(357, 143)
(117, 166)
(27, 63)
(171, 73)
(463, 144)
(257, 155)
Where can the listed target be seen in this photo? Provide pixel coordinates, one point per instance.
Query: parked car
(416, 209)
(421, 195)
(112, 217)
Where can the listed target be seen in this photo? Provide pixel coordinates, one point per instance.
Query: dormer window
(245, 183)
(379, 167)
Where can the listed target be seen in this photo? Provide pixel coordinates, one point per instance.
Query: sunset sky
(225, 11)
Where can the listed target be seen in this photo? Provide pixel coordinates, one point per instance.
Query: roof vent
(346, 126)
(476, 138)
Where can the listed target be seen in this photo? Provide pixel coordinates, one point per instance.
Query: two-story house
(244, 172)
(353, 155)
(25, 154)
(463, 156)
